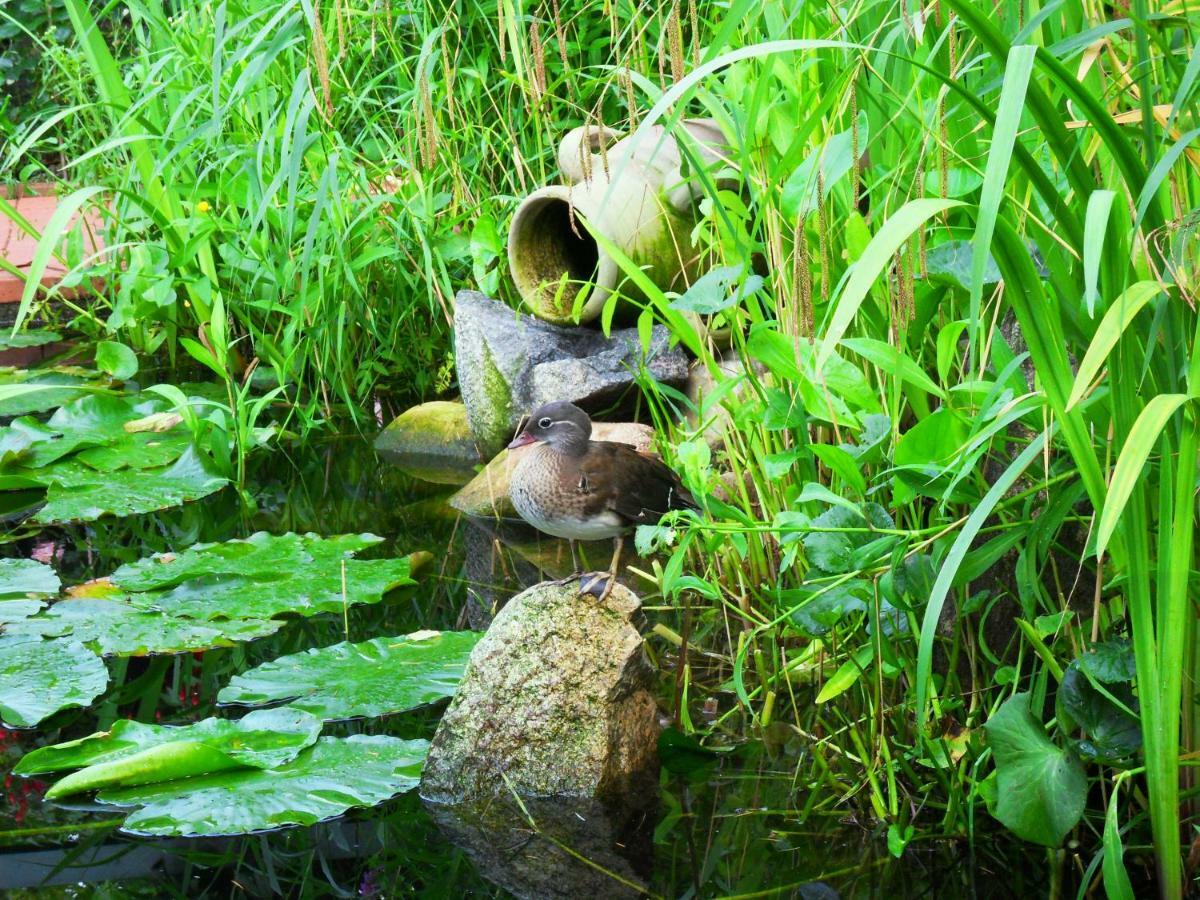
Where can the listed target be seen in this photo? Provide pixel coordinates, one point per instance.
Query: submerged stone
(432, 442)
(508, 363)
(555, 702)
(486, 495)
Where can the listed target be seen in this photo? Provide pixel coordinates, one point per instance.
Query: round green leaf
(326, 780)
(116, 359)
(26, 579)
(372, 678)
(38, 678)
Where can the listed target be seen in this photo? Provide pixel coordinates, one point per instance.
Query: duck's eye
(544, 422)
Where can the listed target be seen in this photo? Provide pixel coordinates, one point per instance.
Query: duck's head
(564, 426)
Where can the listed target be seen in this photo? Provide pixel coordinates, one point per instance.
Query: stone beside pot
(432, 442)
(509, 363)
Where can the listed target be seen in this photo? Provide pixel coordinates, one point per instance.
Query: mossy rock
(432, 442)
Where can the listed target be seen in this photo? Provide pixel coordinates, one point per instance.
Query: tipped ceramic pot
(630, 190)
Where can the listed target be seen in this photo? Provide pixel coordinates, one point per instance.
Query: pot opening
(550, 247)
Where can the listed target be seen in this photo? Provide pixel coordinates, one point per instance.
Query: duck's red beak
(524, 439)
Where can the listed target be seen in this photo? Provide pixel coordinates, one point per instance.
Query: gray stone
(508, 363)
(555, 702)
(433, 442)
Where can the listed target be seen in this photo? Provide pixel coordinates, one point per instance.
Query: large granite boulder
(508, 363)
(486, 495)
(555, 702)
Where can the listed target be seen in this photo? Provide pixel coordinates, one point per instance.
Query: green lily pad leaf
(266, 576)
(61, 386)
(1111, 733)
(83, 495)
(35, 337)
(116, 359)
(261, 555)
(26, 579)
(114, 627)
(1042, 788)
(372, 678)
(38, 678)
(29, 443)
(326, 780)
(262, 739)
(16, 610)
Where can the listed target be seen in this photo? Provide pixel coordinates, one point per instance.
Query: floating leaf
(33, 338)
(261, 555)
(38, 678)
(1042, 787)
(372, 678)
(59, 386)
(26, 579)
(326, 780)
(262, 739)
(83, 495)
(114, 627)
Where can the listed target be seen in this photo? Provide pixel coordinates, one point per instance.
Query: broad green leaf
(261, 555)
(23, 391)
(1110, 662)
(1141, 440)
(371, 678)
(1122, 311)
(819, 609)
(35, 337)
(83, 495)
(950, 263)
(875, 259)
(262, 739)
(307, 590)
(1110, 732)
(1042, 787)
(38, 678)
(326, 780)
(114, 627)
(26, 579)
(116, 359)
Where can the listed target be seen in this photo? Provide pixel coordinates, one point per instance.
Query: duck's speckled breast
(545, 495)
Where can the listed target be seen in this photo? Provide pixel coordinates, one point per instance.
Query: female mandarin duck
(572, 487)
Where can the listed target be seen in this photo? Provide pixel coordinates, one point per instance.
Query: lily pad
(326, 780)
(265, 576)
(61, 386)
(371, 678)
(38, 678)
(114, 627)
(34, 337)
(261, 555)
(26, 579)
(262, 739)
(82, 494)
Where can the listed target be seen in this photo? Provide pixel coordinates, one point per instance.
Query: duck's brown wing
(637, 487)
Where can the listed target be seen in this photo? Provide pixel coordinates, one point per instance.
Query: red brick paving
(36, 203)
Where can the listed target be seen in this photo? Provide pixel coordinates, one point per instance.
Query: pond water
(728, 827)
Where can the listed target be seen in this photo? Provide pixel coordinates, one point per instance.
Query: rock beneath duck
(486, 495)
(555, 702)
(508, 363)
(432, 442)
